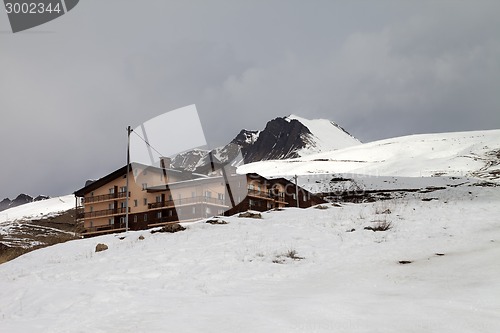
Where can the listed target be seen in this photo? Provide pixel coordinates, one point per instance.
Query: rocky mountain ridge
(21, 199)
(282, 138)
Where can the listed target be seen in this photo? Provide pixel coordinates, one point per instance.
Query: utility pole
(129, 130)
(296, 191)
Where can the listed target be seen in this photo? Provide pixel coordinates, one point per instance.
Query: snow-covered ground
(475, 153)
(38, 209)
(239, 277)
(17, 229)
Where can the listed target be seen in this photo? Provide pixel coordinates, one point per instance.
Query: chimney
(165, 162)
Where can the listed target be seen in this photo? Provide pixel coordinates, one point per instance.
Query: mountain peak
(329, 134)
(21, 199)
(246, 137)
(282, 138)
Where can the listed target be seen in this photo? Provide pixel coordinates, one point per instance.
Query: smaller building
(264, 194)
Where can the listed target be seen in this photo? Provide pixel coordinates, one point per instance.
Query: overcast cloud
(69, 88)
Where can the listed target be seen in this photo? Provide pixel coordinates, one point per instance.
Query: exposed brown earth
(27, 235)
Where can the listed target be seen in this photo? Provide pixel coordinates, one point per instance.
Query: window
(92, 193)
(91, 209)
(135, 218)
(144, 186)
(145, 201)
(111, 206)
(208, 194)
(135, 202)
(145, 217)
(111, 221)
(123, 189)
(170, 213)
(304, 198)
(158, 198)
(112, 190)
(193, 194)
(158, 215)
(170, 197)
(220, 196)
(194, 210)
(123, 204)
(91, 224)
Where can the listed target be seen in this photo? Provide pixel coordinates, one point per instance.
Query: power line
(146, 142)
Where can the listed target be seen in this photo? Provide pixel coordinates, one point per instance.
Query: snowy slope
(475, 154)
(326, 136)
(38, 209)
(237, 277)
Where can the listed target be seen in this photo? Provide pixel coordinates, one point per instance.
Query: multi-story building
(161, 195)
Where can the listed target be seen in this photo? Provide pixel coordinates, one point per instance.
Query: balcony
(186, 201)
(102, 213)
(257, 193)
(105, 197)
(102, 230)
(266, 194)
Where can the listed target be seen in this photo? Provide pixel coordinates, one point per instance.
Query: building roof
(89, 187)
(101, 181)
(185, 183)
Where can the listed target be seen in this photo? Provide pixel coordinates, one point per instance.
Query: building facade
(158, 196)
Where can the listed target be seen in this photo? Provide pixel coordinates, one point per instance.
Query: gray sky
(69, 88)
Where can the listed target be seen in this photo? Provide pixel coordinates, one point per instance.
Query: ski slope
(239, 277)
(475, 154)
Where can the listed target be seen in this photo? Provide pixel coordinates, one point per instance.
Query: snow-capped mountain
(188, 160)
(300, 270)
(325, 135)
(282, 138)
(472, 154)
(21, 199)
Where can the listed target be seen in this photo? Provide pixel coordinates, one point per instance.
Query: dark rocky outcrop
(170, 228)
(4, 204)
(21, 199)
(281, 139)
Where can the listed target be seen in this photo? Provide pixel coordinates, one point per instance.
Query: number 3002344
(31, 8)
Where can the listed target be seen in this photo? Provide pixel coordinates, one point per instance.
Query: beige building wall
(98, 201)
